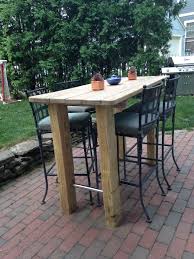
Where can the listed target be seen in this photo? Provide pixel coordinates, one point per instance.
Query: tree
(54, 40)
(152, 26)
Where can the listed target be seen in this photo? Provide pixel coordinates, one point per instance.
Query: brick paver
(31, 230)
(158, 251)
(176, 248)
(183, 230)
(190, 244)
(148, 238)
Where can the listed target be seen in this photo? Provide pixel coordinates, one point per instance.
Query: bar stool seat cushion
(78, 121)
(89, 109)
(127, 124)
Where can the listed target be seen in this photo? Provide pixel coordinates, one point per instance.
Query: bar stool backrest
(149, 108)
(169, 99)
(39, 111)
(65, 85)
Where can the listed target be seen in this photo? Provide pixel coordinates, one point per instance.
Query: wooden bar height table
(104, 102)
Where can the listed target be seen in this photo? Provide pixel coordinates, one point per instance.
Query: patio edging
(21, 158)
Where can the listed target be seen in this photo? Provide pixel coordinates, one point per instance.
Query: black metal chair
(70, 84)
(137, 125)
(167, 109)
(65, 85)
(73, 109)
(79, 123)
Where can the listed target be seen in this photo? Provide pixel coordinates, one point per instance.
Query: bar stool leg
(118, 159)
(124, 160)
(139, 147)
(96, 170)
(157, 176)
(43, 165)
(173, 156)
(91, 148)
(87, 166)
(94, 158)
(163, 171)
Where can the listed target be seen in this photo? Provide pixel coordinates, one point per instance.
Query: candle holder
(132, 73)
(97, 82)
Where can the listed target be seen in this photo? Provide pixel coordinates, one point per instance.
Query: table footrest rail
(87, 188)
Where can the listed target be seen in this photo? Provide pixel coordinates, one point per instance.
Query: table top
(111, 95)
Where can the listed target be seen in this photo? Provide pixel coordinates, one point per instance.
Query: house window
(190, 30)
(189, 43)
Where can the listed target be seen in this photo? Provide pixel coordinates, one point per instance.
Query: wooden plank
(63, 156)
(131, 88)
(61, 95)
(111, 95)
(108, 164)
(114, 94)
(151, 149)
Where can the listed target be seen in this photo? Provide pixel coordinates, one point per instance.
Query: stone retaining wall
(22, 158)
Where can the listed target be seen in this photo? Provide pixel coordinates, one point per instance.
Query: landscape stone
(21, 157)
(24, 148)
(5, 156)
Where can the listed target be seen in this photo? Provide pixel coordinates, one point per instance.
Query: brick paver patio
(31, 230)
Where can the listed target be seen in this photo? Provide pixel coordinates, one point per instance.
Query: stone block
(25, 147)
(5, 156)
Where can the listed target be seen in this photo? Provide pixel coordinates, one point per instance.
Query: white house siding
(175, 47)
(189, 8)
(187, 18)
(177, 43)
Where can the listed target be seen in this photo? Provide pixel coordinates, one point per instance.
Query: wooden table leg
(63, 156)
(108, 164)
(151, 149)
(120, 108)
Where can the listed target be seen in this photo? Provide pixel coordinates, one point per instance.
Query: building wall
(177, 43)
(187, 18)
(188, 8)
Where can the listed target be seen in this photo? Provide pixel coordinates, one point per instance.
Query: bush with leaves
(57, 40)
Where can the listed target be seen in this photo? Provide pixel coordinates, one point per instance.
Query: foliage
(152, 24)
(184, 113)
(148, 62)
(16, 123)
(55, 40)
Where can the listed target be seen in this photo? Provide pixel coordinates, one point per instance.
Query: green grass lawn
(17, 124)
(185, 112)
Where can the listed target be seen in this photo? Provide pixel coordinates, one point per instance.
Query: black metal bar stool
(79, 123)
(73, 109)
(137, 125)
(167, 109)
